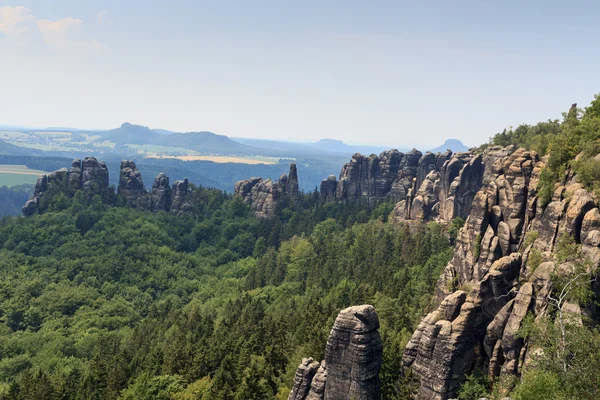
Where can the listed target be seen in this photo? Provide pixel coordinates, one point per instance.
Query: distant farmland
(225, 159)
(12, 175)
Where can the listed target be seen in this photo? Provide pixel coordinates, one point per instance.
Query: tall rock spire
(353, 358)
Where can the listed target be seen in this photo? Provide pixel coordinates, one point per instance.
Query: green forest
(102, 302)
(109, 302)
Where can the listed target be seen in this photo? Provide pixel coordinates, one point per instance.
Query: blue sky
(394, 73)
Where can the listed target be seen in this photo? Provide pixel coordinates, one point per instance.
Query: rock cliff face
(425, 186)
(491, 283)
(264, 195)
(131, 185)
(91, 177)
(88, 175)
(353, 358)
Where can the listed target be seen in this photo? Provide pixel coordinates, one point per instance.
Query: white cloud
(14, 20)
(59, 34)
(66, 34)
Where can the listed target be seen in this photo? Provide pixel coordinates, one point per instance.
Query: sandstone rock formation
(179, 194)
(91, 178)
(425, 186)
(131, 185)
(88, 175)
(161, 193)
(388, 176)
(264, 195)
(490, 285)
(353, 358)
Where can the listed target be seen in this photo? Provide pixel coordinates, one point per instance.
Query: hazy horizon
(385, 74)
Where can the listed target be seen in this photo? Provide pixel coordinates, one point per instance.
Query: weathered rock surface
(303, 379)
(88, 175)
(179, 194)
(328, 188)
(91, 178)
(131, 185)
(353, 358)
(94, 177)
(424, 186)
(263, 195)
(476, 328)
(161, 193)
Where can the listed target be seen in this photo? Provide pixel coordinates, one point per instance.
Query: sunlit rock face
(488, 287)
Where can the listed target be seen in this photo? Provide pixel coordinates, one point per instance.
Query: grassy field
(12, 175)
(179, 153)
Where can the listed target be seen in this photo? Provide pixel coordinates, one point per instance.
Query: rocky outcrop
(131, 185)
(303, 379)
(489, 286)
(94, 177)
(90, 177)
(179, 193)
(445, 192)
(328, 188)
(371, 179)
(160, 196)
(263, 196)
(353, 358)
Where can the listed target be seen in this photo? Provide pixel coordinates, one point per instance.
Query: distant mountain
(203, 142)
(337, 146)
(164, 131)
(451, 144)
(330, 147)
(132, 134)
(207, 142)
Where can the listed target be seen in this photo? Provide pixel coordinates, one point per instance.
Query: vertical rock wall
(90, 176)
(264, 195)
(488, 287)
(353, 358)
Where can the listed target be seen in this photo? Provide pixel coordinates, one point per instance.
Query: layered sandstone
(263, 195)
(489, 286)
(353, 358)
(91, 177)
(424, 186)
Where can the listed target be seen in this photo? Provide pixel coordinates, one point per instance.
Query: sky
(397, 73)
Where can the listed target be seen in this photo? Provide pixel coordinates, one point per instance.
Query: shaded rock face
(263, 195)
(424, 186)
(91, 178)
(131, 185)
(353, 358)
(94, 176)
(371, 179)
(444, 188)
(179, 194)
(488, 288)
(161, 193)
(328, 188)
